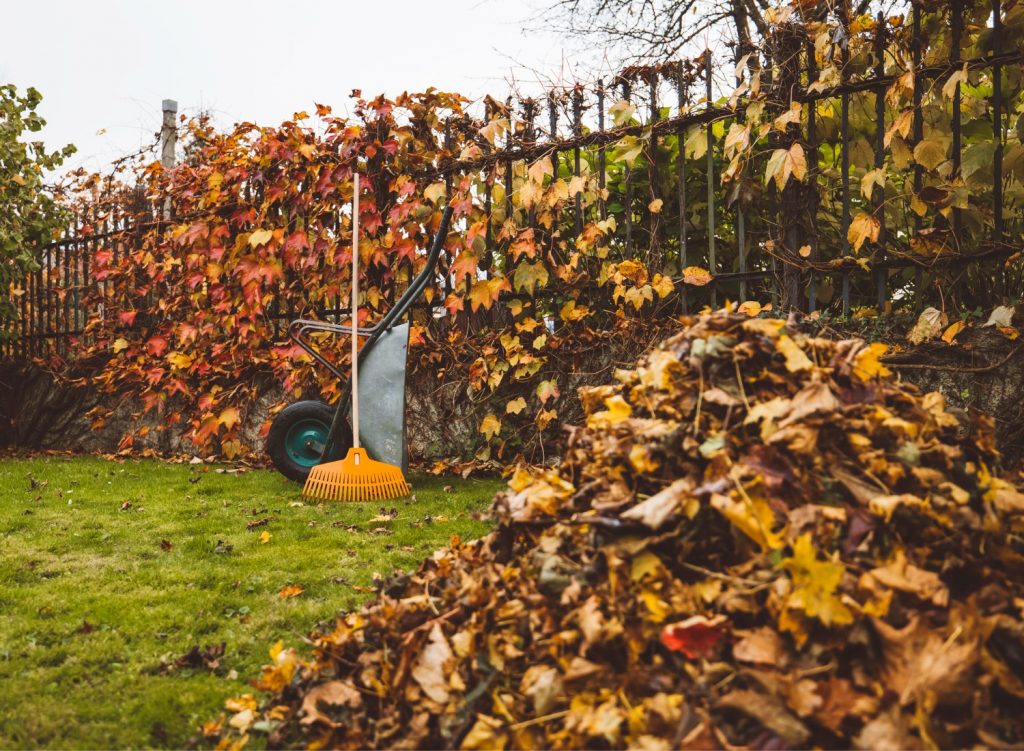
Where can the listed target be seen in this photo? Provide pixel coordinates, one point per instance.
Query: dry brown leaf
(433, 665)
(904, 576)
(921, 665)
(761, 646)
(330, 694)
(661, 506)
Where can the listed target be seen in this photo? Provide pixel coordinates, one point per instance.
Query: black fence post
(712, 260)
(881, 273)
(681, 92)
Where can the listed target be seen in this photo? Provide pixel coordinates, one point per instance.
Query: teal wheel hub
(305, 442)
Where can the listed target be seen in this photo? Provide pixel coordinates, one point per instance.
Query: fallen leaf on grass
(290, 590)
(265, 537)
(207, 658)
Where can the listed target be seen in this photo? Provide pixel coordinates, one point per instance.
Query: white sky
(103, 66)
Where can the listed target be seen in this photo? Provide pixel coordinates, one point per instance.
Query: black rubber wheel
(297, 435)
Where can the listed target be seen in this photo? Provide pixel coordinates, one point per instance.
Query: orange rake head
(357, 477)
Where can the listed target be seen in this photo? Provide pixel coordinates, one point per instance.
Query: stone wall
(36, 412)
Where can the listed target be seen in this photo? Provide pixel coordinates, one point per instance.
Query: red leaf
(695, 637)
(156, 346)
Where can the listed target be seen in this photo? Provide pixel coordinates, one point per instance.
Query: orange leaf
(949, 334)
(290, 590)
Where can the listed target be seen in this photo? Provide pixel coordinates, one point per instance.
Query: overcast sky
(103, 66)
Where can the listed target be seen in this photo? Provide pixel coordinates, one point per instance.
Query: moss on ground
(110, 570)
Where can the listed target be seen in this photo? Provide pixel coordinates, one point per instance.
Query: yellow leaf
(265, 537)
(515, 406)
(229, 417)
(434, 192)
(815, 583)
(777, 168)
(179, 360)
(751, 515)
(490, 426)
(260, 237)
(737, 139)
(231, 448)
(796, 358)
(751, 307)
(696, 144)
(930, 152)
(487, 734)
(645, 564)
(637, 296)
(870, 180)
(805, 252)
(657, 607)
(642, 460)
(482, 294)
(949, 334)
(573, 312)
(696, 276)
(868, 365)
(628, 149)
(539, 170)
(530, 276)
(901, 153)
(617, 411)
(544, 418)
(789, 117)
(655, 206)
(18, 179)
(900, 125)
(662, 285)
(767, 327)
(622, 112)
(120, 344)
(863, 227)
(797, 161)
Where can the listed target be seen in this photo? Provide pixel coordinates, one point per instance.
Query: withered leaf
(433, 665)
(661, 506)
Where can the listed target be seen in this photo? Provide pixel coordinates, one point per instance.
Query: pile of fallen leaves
(759, 539)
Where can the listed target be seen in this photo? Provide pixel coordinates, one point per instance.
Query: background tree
(656, 30)
(29, 212)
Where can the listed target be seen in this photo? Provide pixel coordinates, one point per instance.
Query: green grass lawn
(110, 572)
